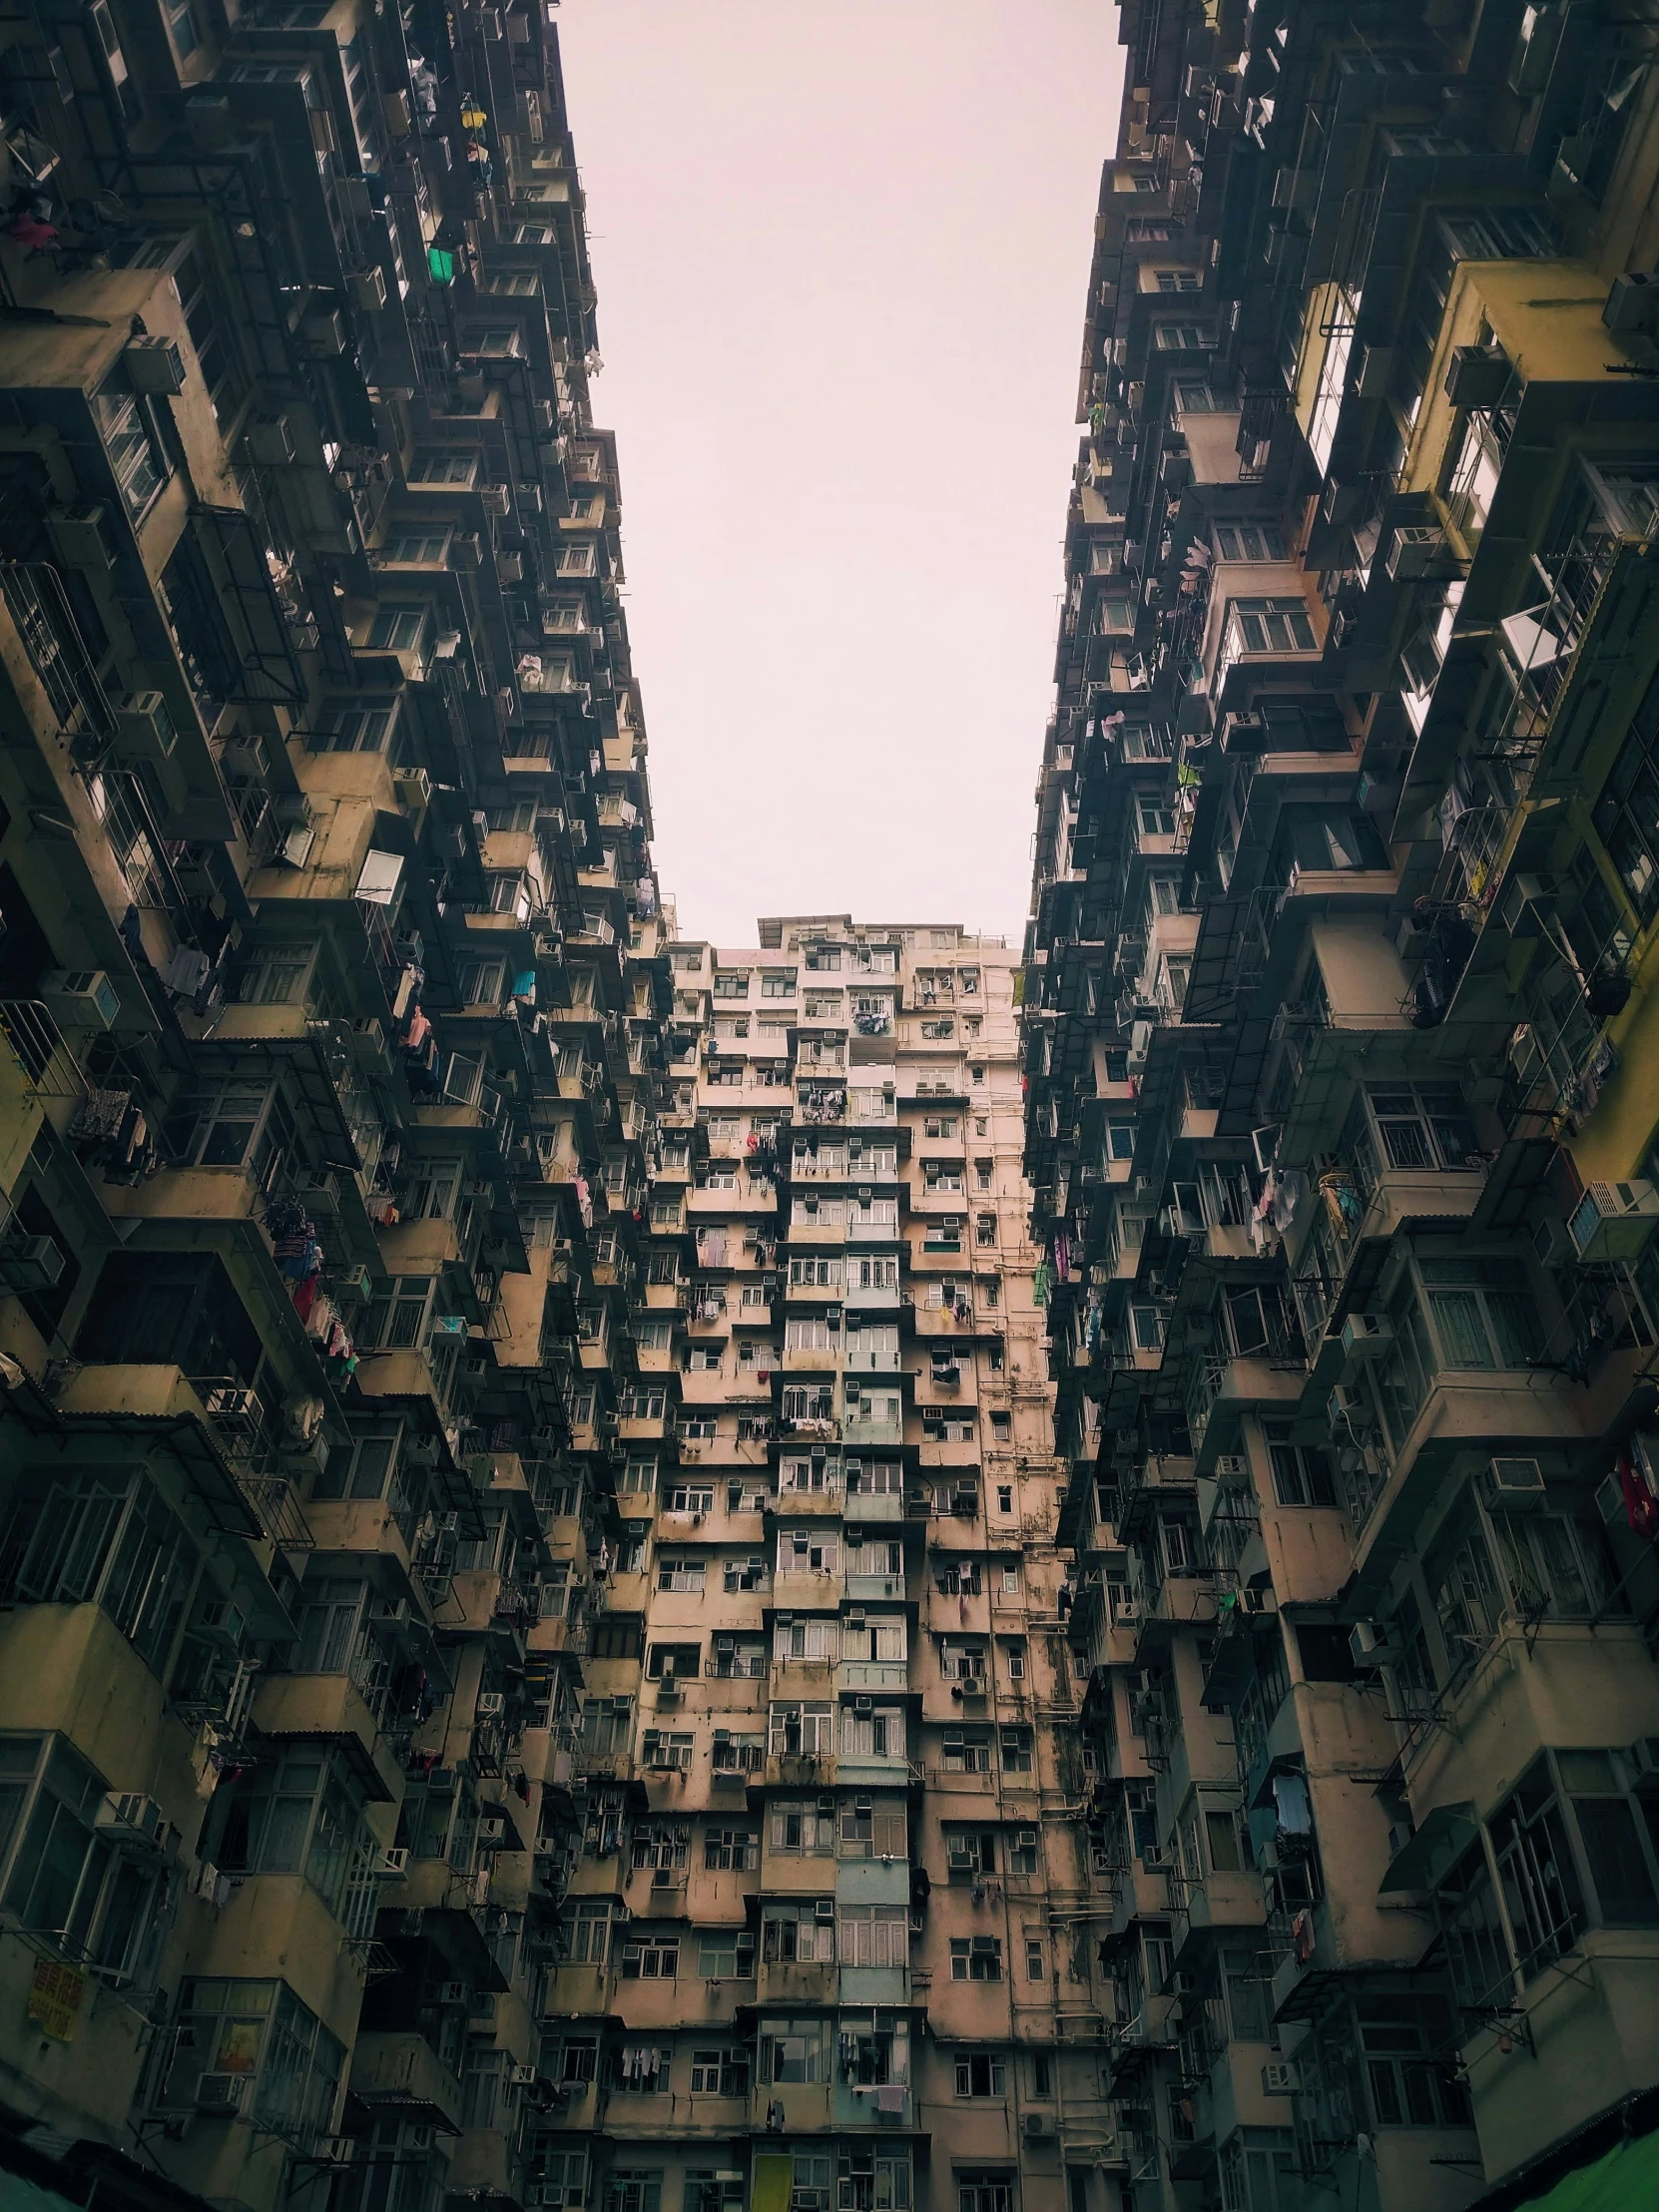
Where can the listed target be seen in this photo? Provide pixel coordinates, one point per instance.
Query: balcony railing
(40, 1051)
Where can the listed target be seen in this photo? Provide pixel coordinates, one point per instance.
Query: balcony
(1206, 1911)
(401, 2070)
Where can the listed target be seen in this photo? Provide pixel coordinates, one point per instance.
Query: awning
(1626, 2177)
(18, 2195)
(1444, 1835)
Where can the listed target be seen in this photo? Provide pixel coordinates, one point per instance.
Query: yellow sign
(55, 1998)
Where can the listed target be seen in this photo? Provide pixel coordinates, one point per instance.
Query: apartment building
(1336, 1009)
(333, 980)
(831, 1944)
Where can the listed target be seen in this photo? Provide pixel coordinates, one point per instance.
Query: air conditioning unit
(368, 289)
(154, 365)
(823, 1908)
(1643, 1758)
(454, 1992)
(29, 1263)
(492, 1827)
(1513, 1484)
(394, 1863)
(414, 789)
(1127, 1614)
(1366, 1336)
(222, 1620)
(490, 1706)
(972, 1685)
(495, 499)
(139, 1817)
(223, 2093)
(1613, 1221)
(1413, 550)
(1278, 2079)
(1036, 2125)
(1476, 376)
(961, 1859)
(80, 998)
(269, 441)
(523, 2077)
(1231, 1467)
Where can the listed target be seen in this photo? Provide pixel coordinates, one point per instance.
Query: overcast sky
(842, 248)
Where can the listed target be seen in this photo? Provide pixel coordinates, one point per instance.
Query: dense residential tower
(1337, 1008)
(332, 982)
(830, 1942)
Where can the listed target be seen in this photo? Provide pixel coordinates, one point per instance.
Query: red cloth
(304, 1297)
(1640, 1506)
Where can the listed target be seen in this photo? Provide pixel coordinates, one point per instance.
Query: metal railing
(39, 1049)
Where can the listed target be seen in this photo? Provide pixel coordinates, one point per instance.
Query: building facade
(535, 1661)
(1338, 1006)
(333, 980)
(828, 1940)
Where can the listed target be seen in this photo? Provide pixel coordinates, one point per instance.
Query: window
(793, 2050)
(298, 1813)
(585, 1931)
(69, 1877)
(1269, 626)
(1016, 1751)
(976, 1958)
(738, 1753)
(807, 1826)
(632, 2189)
(730, 1850)
(728, 1956)
(100, 1536)
(415, 549)
(651, 1958)
(397, 629)
(968, 1751)
(607, 1724)
(434, 466)
(985, 2192)
(876, 1734)
(1300, 1473)
(872, 1830)
(980, 2074)
(874, 1936)
(137, 455)
(802, 1730)
(1404, 1125)
(576, 2059)
(717, 2073)
(681, 1574)
(801, 1933)
(1184, 337)
(258, 2031)
(1249, 541)
(669, 1750)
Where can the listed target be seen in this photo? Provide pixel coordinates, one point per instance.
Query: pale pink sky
(841, 249)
